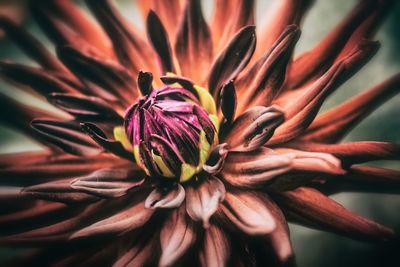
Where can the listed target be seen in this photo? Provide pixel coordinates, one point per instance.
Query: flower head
(193, 147)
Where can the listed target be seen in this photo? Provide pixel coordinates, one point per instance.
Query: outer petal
(253, 128)
(312, 208)
(176, 237)
(256, 168)
(203, 201)
(248, 212)
(215, 249)
(171, 197)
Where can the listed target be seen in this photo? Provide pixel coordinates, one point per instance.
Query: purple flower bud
(171, 133)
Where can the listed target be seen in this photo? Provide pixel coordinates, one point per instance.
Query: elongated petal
(159, 39)
(176, 237)
(264, 80)
(166, 197)
(248, 212)
(85, 107)
(193, 46)
(134, 216)
(100, 138)
(228, 101)
(356, 152)
(332, 125)
(256, 168)
(321, 56)
(203, 201)
(67, 136)
(52, 168)
(130, 48)
(38, 79)
(216, 160)
(302, 111)
(30, 45)
(80, 22)
(215, 249)
(253, 128)
(60, 191)
(314, 161)
(364, 179)
(285, 13)
(140, 254)
(232, 60)
(23, 114)
(109, 182)
(89, 65)
(317, 210)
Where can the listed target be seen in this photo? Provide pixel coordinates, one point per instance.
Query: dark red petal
(140, 254)
(70, 13)
(109, 183)
(144, 82)
(228, 101)
(216, 160)
(215, 249)
(263, 82)
(285, 13)
(176, 237)
(317, 60)
(58, 191)
(253, 128)
(193, 45)
(301, 111)
(89, 108)
(39, 80)
(66, 135)
(130, 48)
(333, 125)
(100, 138)
(23, 114)
(90, 66)
(313, 209)
(356, 152)
(133, 217)
(248, 212)
(160, 41)
(30, 45)
(363, 179)
(202, 201)
(232, 60)
(44, 168)
(169, 197)
(256, 168)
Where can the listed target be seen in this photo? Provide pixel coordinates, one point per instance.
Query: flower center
(172, 131)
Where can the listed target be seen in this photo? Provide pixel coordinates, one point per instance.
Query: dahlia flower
(187, 145)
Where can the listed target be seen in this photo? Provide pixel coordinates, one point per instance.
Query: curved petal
(333, 125)
(109, 183)
(159, 39)
(176, 237)
(253, 128)
(313, 209)
(169, 197)
(215, 249)
(134, 216)
(203, 201)
(232, 60)
(193, 45)
(67, 136)
(255, 169)
(249, 212)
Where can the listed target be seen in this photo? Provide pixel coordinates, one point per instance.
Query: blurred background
(313, 248)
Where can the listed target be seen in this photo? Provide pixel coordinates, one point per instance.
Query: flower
(194, 147)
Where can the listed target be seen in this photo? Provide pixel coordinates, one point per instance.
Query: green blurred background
(313, 248)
